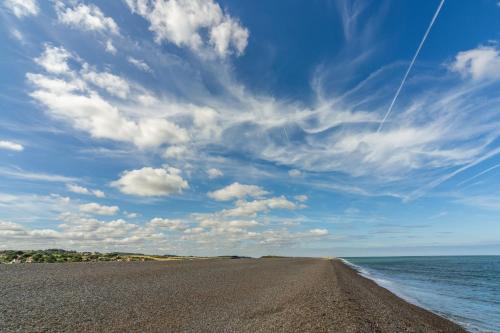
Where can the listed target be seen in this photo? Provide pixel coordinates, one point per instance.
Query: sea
(464, 289)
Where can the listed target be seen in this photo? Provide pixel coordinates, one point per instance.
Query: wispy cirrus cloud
(176, 96)
(140, 64)
(332, 135)
(34, 176)
(11, 145)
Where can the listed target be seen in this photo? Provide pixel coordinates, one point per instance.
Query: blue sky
(250, 127)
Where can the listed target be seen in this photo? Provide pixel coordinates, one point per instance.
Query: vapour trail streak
(411, 65)
(479, 174)
(421, 191)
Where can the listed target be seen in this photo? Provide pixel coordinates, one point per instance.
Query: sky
(203, 127)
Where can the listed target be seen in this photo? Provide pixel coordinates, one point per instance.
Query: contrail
(479, 174)
(411, 65)
(286, 134)
(419, 192)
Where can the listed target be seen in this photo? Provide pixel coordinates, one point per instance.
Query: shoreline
(392, 294)
(364, 273)
(214, 295)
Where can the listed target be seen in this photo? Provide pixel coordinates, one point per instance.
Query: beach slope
(212, 295)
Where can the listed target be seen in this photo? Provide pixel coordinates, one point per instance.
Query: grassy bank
(59, 255)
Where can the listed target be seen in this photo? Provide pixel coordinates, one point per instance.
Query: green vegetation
(272, 256)
(59, 255)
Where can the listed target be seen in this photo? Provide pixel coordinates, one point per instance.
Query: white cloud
(99, 193)
(424, 137)
(196, 230)
(251, 208)
(83, 190)
(54, 59)
(77, 189)
(9, 145)
(131, 215)
(301, 198)
(22, 8)
(185, 22)
(15, 231)
(113, 84)
(176, 225)
(214, 173)
(176, 152)
(6, 226)
(243, 223)
(17, 35)
(80, 231)
(140, 64)
(85, 17)
(201, 232)
(32, 207)
(97, 209)
(228, 35)
(69, 98)
(27, 175)
(151, 182)
(318, 232)
(237, 191)
(294, 173)
(110, 48)
(482, 62)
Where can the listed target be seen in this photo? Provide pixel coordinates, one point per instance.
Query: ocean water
(465, 289)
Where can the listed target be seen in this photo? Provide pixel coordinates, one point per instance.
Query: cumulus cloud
(176, 225)
(97, 209)
(251, 208)
(93, 234)
(83, 190)
(318, 232)
(205, 232)
(294, 173)
(67, 96)
(79, 230)
(22, 8)
(301, 198)
(482, 62)
(54, 59)
(186, 22)
(85, 17)
(10, 230)
(151, 182)
(195, 230)
(176, 152)
(354, 150)
(426, 135)
(9, 145)
(237, 191)
(214, 173)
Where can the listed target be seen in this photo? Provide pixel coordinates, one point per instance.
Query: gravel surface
(243, 295)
